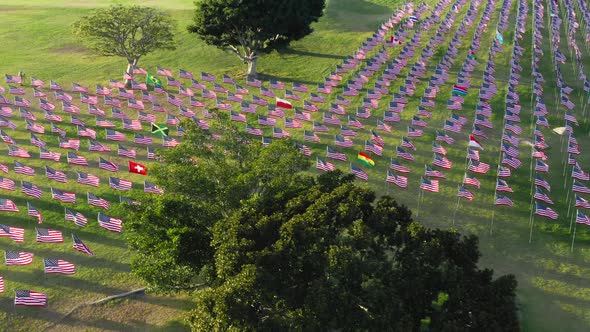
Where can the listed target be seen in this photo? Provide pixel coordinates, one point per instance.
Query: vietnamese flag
(137, 168)
(284, 103)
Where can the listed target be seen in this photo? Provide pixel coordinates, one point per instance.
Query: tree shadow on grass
(266, 77)
(289, 50)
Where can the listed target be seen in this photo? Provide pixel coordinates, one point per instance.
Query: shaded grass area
(553, 283)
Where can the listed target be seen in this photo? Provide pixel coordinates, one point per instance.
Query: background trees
(280, 250)
(252, 27)
(129, 32)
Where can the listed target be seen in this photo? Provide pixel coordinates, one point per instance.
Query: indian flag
(284, 103)
(365, 159)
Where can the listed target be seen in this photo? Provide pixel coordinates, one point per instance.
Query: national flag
(151, 154)
(76, 159)
(56, 175)
(499, 37)
(303, 149)
(581, 202)
(464, 193)
(544, 211)
(30, 189)
(510, 161)
(48, 235)
(63, 196)
(98, 201)
(346, 131)
(471, 180)
(401, 153)
(21, 168)
(4, 168)
(443, 137)
(502, 185)
(460, 90)
(97, 147)
(100, 122)
(474, 143)
(324, 165)
(70, 143)
(280, 133)
(77, 217)
(359, 173)
(119, 184)
(310, 136)
(29, 298)
(86, 132)
(441, 161)
(377, 139)
(114, 135)
(365, 159)
(15, 233)
(473, 154)
(429, 171)
(333, 154)
(413, 132)
(253, 131)
(581, 218)
(540, 195)
(107, 165)
(149, 187)
(124, 152)
(429, 185)
(169, 142)
(80, 246)
(8, 205)
(578, 187)
(541, 166)
(58, 266)
(578, 173)
(7, 139)
(539, 181)
(376, 149)
(18, 258)
(503, 200)
(15, 151)
(33, 212)
(137, 168)
(400, 181)
(396, 166)
(320, 127)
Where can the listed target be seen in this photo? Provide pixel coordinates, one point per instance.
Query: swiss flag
(137, 168)
(284, 103)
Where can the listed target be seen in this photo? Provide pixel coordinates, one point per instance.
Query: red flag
(284, 103)
(137, 168)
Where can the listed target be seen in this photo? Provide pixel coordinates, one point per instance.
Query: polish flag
(284, 103)
(474, 143)
(137, 168)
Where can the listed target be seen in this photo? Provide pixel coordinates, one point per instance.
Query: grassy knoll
(553, 283)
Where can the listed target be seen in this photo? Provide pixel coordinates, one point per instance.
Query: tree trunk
(130, 66)
(251, 61)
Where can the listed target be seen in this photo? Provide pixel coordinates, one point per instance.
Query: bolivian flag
(366, 159)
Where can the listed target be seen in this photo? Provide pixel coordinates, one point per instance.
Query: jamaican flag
(161, 130)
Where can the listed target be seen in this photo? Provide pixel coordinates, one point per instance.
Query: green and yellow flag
(151, 79)
(366, 159)
(161, 130)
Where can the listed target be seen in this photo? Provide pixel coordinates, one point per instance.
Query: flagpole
(456, 208)
(573, 238)
(532, 223)
(419, 199)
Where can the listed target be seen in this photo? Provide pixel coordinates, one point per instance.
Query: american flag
(354, 122)
(129, 124)
(253, 131)
(100, 122)
(502, 185)
(383, 126)
(280, 133)
(539, 181)
(509, 149)
(471, 180)
(151, 154)
(441, 161)
(310, 136)
(320, 127)
(333, 154)
(1, 285)
(4, 168)
(80, 246)
(581, 202)
(578, 173)
(168, 141)
(33, 212)
(107, 165)
(401, 153)
(86, 132)
(6, 184)
(75, 120)
(413, 132)
(503, 171)
(77, 217)
(123, 151)
(510, 161)
(110, 101)
(149, 187)
(94, 110)
(238, 117)
(376, 149)
(21, 168)
(541, 166)
(396, 166)
(342, 141)
(540, 195)
(577, 187)
(291, 123)
(358, 172)
(97, 146)
(142, 139)
(18, 258)
(119, 184)
(265, 142)
(266, 121)
(76, 159)
(429, 171)
(146, 117)
(172, 120)
(29, 298)
(443, 137)
(114, 135)
(110, 223)
(7, 139)
(14, 233)
(101, 90)
(13, 79)
(97, 201)
(8, 205)
(503, 200)
(58, 266)
(429, 185)
(15, 151)
(63, 196)
(400, 181)
(30, 189)
(70, 143)
(331, 119)
(416, 121)
(56, 175)
(478, 167)
(304, 149)
(462, 192)
(346, 131)
(581, 218)
(117, 113)
(324, 165)
(544, 211)
(452, 126)
(48, 235)
(377, 139)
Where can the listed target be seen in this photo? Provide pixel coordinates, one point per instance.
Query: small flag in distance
(474, 143)
(137, 168)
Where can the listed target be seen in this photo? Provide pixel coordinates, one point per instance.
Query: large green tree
(127, 31)
(250, 28)
(280, 250)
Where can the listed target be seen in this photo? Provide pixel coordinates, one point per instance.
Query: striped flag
(15, 233)
(471, 180)
(544, 211)
(29, 298)
(63, 196)
(503, 200)
(358, 172)
(80, 246)
(8, 205)
(88, 179)
(18, 258)
(398, 180)
(77, 217)
(464, 193)
(581, 218)
(48, 235)
(324, 165)
(149, 187)
(429, 185)
(58, 266)
(33, 212)
(119, 184)
(110, 223)
(30, 189)
(97, 201)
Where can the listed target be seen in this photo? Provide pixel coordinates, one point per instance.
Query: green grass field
(553, 282)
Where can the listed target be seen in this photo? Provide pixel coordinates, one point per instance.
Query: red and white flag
(284, 103)
(137, 168)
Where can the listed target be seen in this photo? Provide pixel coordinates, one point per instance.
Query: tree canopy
(127, 31)
(281, 250)
(250, 28)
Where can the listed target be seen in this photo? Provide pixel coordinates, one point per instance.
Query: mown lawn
(553, 282)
